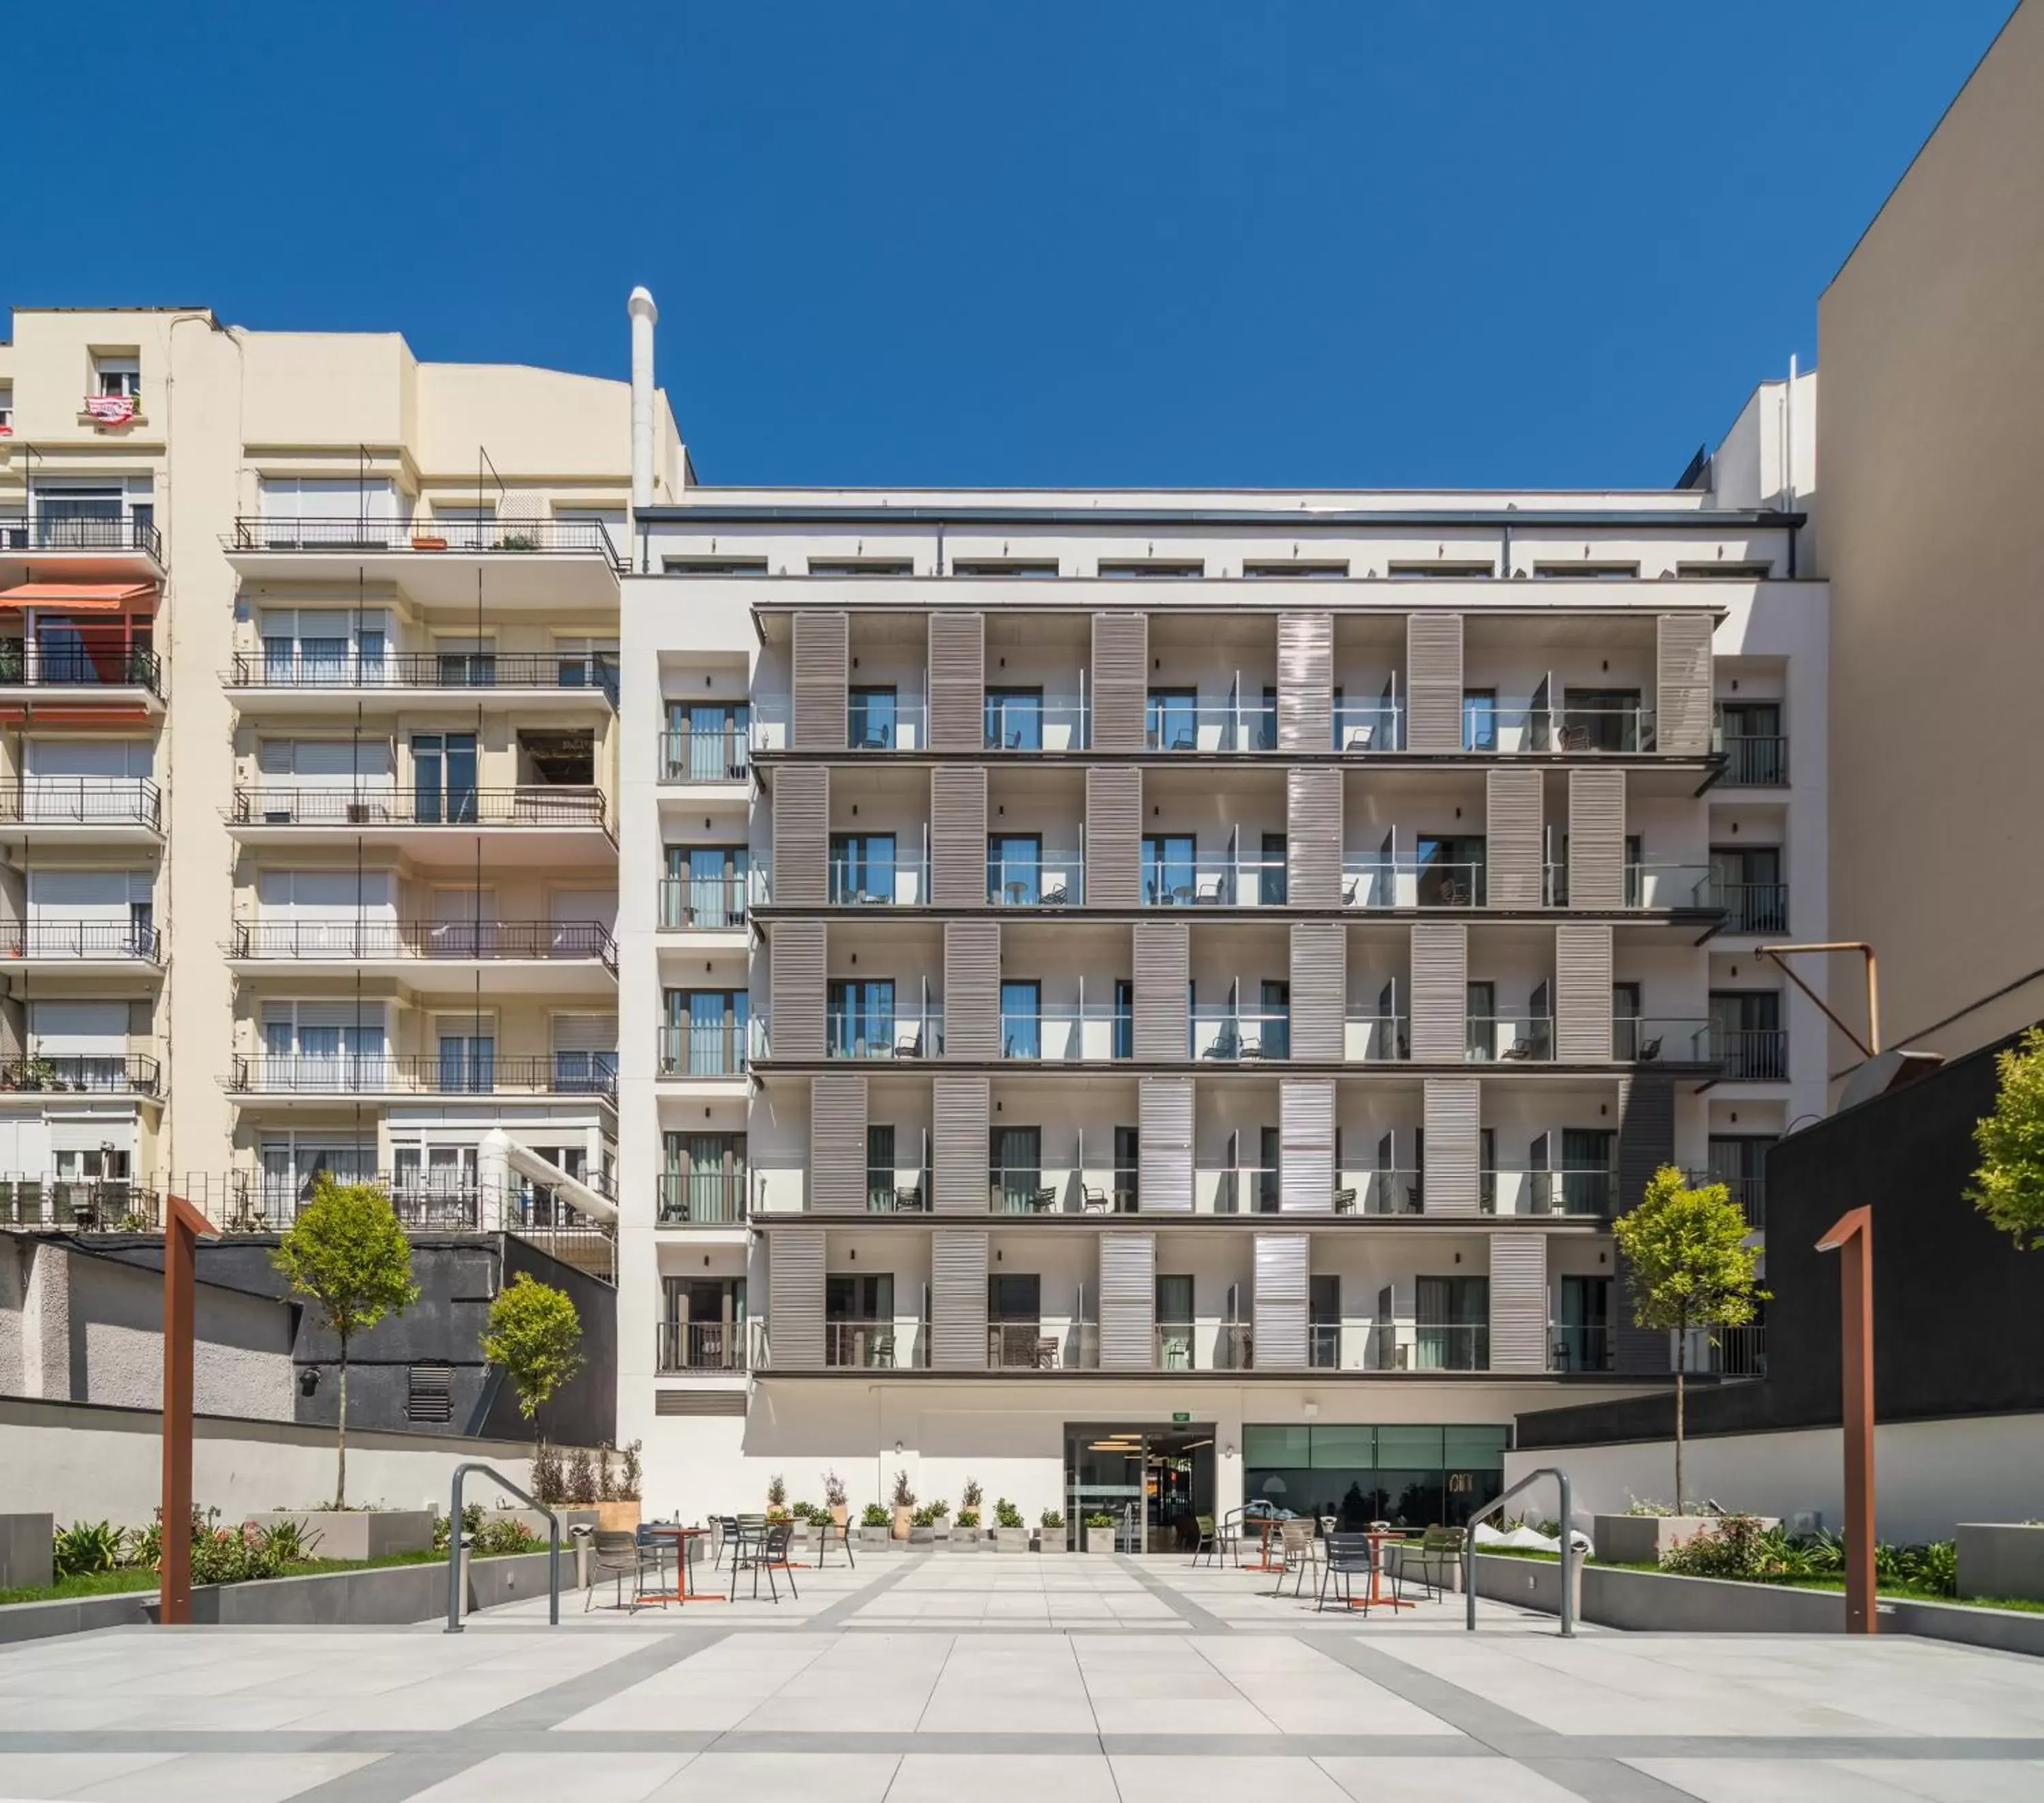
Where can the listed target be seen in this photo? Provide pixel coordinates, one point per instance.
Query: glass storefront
(1412, 1476)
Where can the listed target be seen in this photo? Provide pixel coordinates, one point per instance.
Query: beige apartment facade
(1932, 343)
(308, 725)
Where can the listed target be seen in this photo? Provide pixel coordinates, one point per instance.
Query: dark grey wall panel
(821, 667)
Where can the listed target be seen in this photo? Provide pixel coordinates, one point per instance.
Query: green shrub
(85, 1547)
(873, 1516)
(497, 1538)
(1100, 1519)
(968, 1518)
(1006, 1514)
(1052, 1518)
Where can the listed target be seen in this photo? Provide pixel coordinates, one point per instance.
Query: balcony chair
(1649, 1051)
(909, 1045)
(909, 1201)
(1210, 894)
(875, 738)
(1228, 1043)
(1360, 738)
(1096, 1202)
(1057, 896)
(1453, 895)
(1520, 1049)
(1345, 1201)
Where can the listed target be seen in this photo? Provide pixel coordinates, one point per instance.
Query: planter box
(2001, 1559)
(1052, 1539)
(1100, 1539)
(359, 1533)
(1010, 1539)
(966, 1540)
(922, 1536)
(535, 1519)
(879, 1536)
(26, 1550)
(619, 1518)
(421, 541)
(840, 1514)
(1641, 1540)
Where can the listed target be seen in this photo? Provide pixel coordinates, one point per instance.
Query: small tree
(1687, 1266)
(536, 1335)
(2009, 1185)
(347, 1254)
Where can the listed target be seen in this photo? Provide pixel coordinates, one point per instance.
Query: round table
(681, 1593)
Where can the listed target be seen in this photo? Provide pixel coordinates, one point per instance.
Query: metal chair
(767, 1551)
(1439, 1551)
(1344, 1201)
(619, 1555)
(1295, 1538)
(1348, 1557)
(727, 1536)
(1216, 1541)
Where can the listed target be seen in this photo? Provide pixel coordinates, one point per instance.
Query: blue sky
(1267, 243)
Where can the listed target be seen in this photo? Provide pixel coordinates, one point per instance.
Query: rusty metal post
(182, 1224)
(1852, 1238)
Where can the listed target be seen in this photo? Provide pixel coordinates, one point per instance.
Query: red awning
(79, 598)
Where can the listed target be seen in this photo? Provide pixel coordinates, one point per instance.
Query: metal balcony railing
(84, 801)
(1048, 725)
(1641, 1039)
(89, 1073)
(1521, 1039)
(257, 1201)
(27, 665)
(1024, 1346)
(1380, 1192)
(1376, 881)
(1750, 1054)
(1459, 1346)
(1244, 1189)
(427, 536)
(1755, 760)
(44, 938)
(704, 1346)
(1234, 1347)
(906, 1033)
(66, 532)
(1729, 1351)
(1378, 726)
(702, 904)
(701, 1198)
(532, 805)
(562, 1073)
(724, 756)
(81, 1205)
(723, 1050)
(432, 671)
(902, 882)
(460, 940)
(1053, 879)
(872, 1345)
(1574, 1346)
(1224, 1035)
(1749, 907)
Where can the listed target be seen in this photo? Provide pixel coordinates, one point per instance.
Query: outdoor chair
(1228, 1043)
(1361, 738)
(1348, 1557)
(1211, 893)
(1294, 1548)
(618, 1555)
(1439, 1551)
(727, 1536)
(1344, 1201)
(1519, 1050)
(1098, 1201)
(1217, 1542)
(1649, 1051)
(1057, 896)
(909, 1045)
(766, 1549)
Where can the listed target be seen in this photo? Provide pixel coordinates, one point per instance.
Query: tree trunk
(1682, 1359)
(340, 1474)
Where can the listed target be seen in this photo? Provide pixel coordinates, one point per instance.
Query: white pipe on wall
(644, 316)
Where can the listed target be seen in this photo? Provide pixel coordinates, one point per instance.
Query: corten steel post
(182, 1224)
(1852, 1239)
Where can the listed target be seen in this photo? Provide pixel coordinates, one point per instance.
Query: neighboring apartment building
(308, 718)
(1152, 998)
(1932, 433)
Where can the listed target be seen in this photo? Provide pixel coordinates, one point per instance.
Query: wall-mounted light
(309, 1380)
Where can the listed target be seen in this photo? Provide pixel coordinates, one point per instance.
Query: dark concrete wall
(1958, 1310)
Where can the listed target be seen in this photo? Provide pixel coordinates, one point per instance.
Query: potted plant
(874, 1528)
(966, 1538)
(1009, 1534)
(777, 1498)
(940, 1520)
(1100, 1531)
(904, 1500)
(834, 1498)
(923, 1528)
(1052, 1538)
(428, 541)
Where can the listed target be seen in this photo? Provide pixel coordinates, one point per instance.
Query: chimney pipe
(644, 315)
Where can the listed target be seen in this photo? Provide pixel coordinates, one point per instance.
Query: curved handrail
(453, 1545)
(1568, 1546)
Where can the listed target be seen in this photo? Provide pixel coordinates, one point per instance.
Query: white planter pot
(1100, 1539)
(1010, 1539)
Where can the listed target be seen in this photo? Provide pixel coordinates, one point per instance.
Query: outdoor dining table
(1379, 1538)
(681, 1593)
(1271, 1524)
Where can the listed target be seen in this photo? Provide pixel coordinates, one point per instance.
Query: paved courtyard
(942, 1679)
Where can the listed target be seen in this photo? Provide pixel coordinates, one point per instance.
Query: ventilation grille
(429, 1396)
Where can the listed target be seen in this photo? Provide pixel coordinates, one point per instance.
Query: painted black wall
(1958, 1310)
(458, 1276)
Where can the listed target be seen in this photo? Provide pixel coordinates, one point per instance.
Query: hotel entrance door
(1154, 1481)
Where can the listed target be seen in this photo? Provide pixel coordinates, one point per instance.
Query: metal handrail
(454, 1544)
(1568, 1546)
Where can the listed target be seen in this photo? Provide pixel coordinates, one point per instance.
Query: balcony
(909, 1033)
(1751, 907)
(1173, 1346)
(92, 539)
(702, 904)
(118, 942)
(896, 724)
(1236, 1188)
(1652, 1038)
(530, 806)
(1371, 726)
(112, 808)
(1380, 881)
(1570, 1189)
(75, 1073)
(873, 1346)
(1575, 1346)
(1214, 880)
(724, 756)
(554, 675)
(1219, 1034)
(1750, 1054)
(374, 941)
(724, 1049)
(701, 1198)
(1037, 724)
(1042, 1346)
(704, 1346)
(534, 563)
(1051, 879)
(1380, 1192)
(1072, 1034)
(898, 882)
(1509, 1038)
(76, 1205)
(560, 1073)
(1754, 760)
(1375, 1039)
(71, 669)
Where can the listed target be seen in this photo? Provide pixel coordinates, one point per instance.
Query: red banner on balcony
(112, 410)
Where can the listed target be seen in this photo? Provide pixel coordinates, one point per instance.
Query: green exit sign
(1181, 1416)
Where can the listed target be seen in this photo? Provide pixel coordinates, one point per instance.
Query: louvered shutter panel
(1120, 681)
(972, 990)
(837, 1145)
(1319, 990)
(795, 1299)
(1683, 682)
(1434, 682)
(1163, 965)
(821, 665)
(957, 1293)
(1278, 1306)
(1306, 1145)
(1313, 836)
(1582, 993)
(1127, 1301)
(958, 836)
(1305, 681)
(795, 1005)
(957, 683)
(961, 1114)
(1114, 837)
(1596, 838)
(1512, 837)
(1451, 1110)
(589, 1033)
(800, 876)
(1518, 1302)
(1440, 992)
(1164, 1145)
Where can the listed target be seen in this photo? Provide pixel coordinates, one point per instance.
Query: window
(706, 742)
(1479, 719)
(1014, 869)
(1308, 572)
(1625, 1037)
(443, 767)
(881, 1191)
(1746, 882)
(712, 565)
(6, 408)
(1167, 869)
(861, 869)
(705, 886)
(1274, 1029)
(1021, 1020)
(1127, 1171)
(1413, 1475)
(870, 718)
(1452, 1324)
(1589, 571)
(585, 1049)
(1449, 570)
(118, 373)
(1747, 1026)
(1603, 720)
(1143, 570)
(703, 1177)
(1124, 1023)
(1266, 729)
(1480, 1005)
(859, 1018)
(323, 1045)
(1451, 871)
(1274, 873)
(1583, 1336)
(1586, 1169)
(1749, 735)
(1005, 566)
(311, 646)
(1739, 1161)
(1173, 717)
(861, 567)
(1749, 572)
(706, 1032)
(1015, 720)
(1269, 1169)
(429, 1392)
(1015, 1173)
